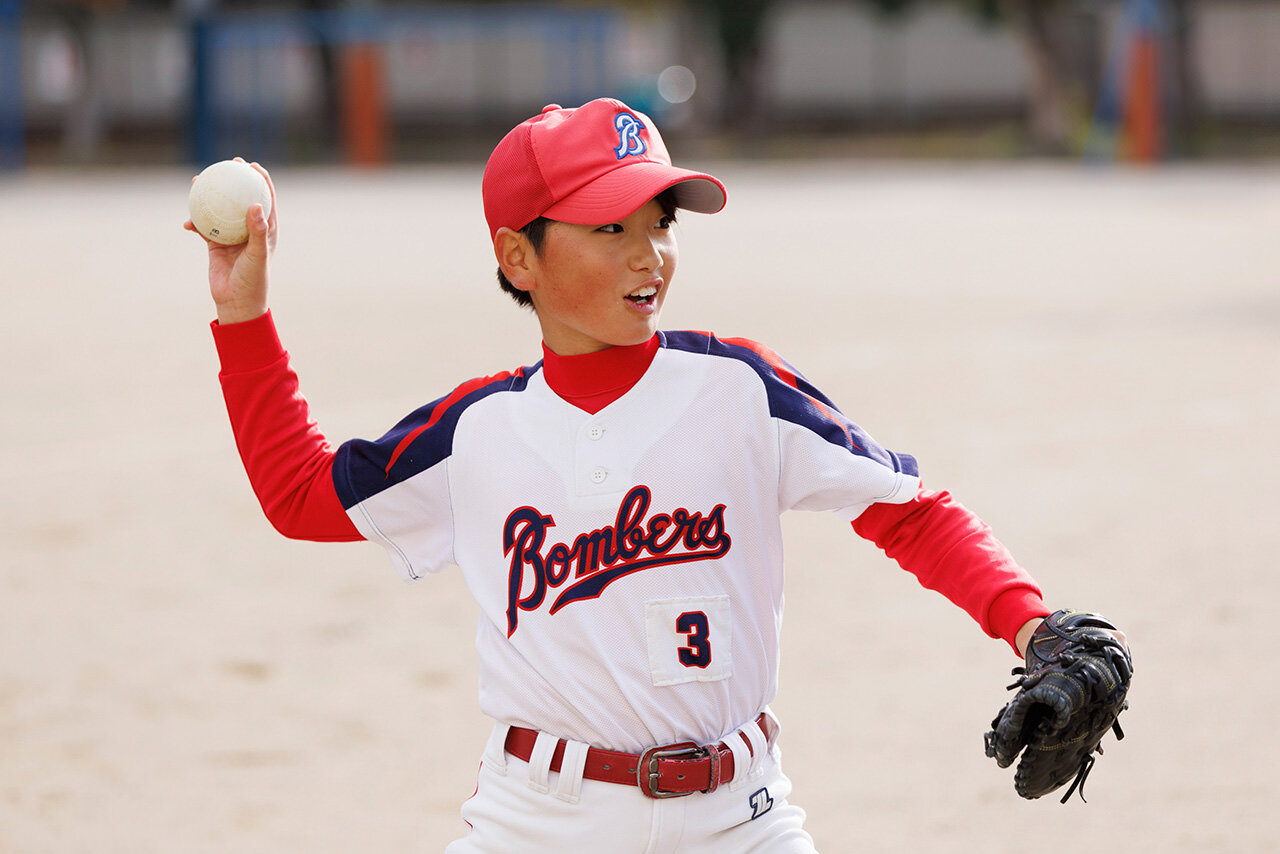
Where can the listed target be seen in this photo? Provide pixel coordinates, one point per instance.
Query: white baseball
(221, 197)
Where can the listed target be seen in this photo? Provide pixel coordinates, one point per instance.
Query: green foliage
(890, 8)
(987, 10)
(739, 23)
(990, 11)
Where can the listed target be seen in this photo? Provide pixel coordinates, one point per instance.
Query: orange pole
(364, 106)
(1143, 122)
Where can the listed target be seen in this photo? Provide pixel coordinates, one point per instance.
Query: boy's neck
(592, 381)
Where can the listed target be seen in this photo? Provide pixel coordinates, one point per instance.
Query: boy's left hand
(1071, 691)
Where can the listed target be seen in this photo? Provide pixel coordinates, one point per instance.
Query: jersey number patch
(695, 626)
(689, 639)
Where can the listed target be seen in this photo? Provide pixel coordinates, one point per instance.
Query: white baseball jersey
(628, 564)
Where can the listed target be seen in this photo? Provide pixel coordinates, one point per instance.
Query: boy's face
(603, 286)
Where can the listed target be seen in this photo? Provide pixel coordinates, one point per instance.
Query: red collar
(592, 381)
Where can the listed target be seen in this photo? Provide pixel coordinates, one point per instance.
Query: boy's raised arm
(287, 458)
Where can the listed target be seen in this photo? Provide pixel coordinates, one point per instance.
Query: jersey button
(595, 432)
(598, 475)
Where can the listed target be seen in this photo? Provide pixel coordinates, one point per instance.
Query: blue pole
(1104, 134)
(203, 121)
(12, 126)
(199, 18)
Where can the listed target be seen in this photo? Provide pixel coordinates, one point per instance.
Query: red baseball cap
(589, 165)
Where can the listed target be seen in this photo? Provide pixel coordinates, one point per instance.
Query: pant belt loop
(540, 762)
(569, 787)
(759, 746)
(737, 742)
(495, 753)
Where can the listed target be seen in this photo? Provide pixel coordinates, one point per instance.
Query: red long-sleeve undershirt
(953, 552)
(290, 466)
(287, 458)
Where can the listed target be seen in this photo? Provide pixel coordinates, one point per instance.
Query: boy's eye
(665, 222)
(611, 228)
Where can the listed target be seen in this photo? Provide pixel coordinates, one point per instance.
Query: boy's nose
(645, 255)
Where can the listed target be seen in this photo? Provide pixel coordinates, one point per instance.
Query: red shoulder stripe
(444, 406)
(788, 376)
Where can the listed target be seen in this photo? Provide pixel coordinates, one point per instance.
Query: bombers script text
(598, 559)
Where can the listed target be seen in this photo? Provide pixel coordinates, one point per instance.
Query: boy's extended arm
(287, 458)
(952, 551)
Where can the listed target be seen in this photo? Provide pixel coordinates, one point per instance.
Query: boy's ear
(516, 257)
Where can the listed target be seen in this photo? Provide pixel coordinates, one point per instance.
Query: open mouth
(643, 296)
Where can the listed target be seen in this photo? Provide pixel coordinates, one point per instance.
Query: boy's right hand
(239, 275)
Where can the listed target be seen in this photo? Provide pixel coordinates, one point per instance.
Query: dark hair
(536, 232)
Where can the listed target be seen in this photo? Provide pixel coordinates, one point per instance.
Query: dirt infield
(1088, 357)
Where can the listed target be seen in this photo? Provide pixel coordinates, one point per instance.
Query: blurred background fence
(370, 82)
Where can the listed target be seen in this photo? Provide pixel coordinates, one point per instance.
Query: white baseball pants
(523, 807)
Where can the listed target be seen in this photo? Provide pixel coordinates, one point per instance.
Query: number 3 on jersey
(690, 640)
(695, 627)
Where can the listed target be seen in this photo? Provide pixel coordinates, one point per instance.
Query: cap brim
(620, 193)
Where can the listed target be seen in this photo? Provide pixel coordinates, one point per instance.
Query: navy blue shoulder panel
(425, 437)
(791, 397)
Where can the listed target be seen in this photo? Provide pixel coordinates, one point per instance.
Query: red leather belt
(668, 771)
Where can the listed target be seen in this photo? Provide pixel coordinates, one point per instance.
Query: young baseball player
(613, 506)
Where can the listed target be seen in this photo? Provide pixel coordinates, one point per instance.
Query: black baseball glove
(1070, 693)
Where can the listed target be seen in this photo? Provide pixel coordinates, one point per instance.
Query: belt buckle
(648, 776)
